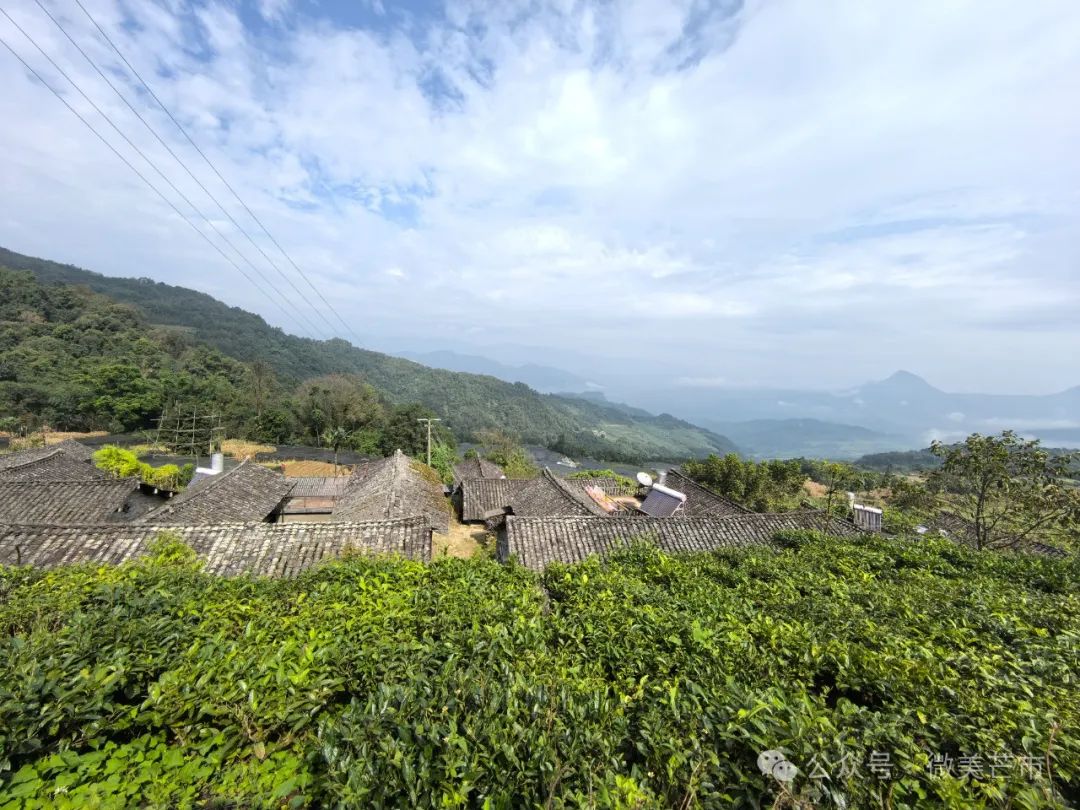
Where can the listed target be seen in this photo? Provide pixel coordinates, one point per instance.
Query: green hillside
(468, 403)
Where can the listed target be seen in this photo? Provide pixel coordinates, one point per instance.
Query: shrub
(125, 464)
(645, 681)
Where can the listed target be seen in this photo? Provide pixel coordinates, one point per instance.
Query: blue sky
(773, 192)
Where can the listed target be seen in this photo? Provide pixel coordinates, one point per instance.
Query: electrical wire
(309, 325)
(141, 176)
(209, 163)
(183, 165)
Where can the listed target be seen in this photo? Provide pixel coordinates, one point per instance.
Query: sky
(791, 193)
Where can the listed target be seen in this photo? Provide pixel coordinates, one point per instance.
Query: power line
(183, 165)
(153, 166)
(141, 176)
(209, 163)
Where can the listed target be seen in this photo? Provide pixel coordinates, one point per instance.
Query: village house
(312, 500)
(66, 461)
(535, 542)
(247, 492)
(230, 549)
(57, 503)
(393, 487)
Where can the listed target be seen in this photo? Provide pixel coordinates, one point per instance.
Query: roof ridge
(397, 477)
(33, 459)
(572, 495)
(679, 474)
(79, 481)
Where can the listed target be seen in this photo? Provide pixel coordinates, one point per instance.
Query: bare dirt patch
(463, 540)
(238, 448)
(308, 469)
(47, 437)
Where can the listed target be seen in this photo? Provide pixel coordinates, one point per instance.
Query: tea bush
(646, 681)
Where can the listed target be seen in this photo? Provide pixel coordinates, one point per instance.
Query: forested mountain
(191, 327)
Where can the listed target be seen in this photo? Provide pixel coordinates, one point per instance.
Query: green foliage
(796, 538)
(125, 464)
(1006, 487)
(468, 403)
(504, 450)
(648, 681)
(443, 459)
(766, 486)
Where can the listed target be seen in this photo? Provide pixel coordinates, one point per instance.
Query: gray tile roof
(391, 488)
(483, 497)
(64, 502)
(268, 549)
(321, 487)
(548, 495)
(700, 501)
(477, 468)
(609, 485)
(66, 461)
(536, 542)
(245, 493)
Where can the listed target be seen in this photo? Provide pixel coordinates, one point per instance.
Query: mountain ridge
(468, 403)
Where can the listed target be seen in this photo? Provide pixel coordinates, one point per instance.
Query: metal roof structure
(265, 549)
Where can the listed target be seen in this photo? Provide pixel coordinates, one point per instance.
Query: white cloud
(792, 182)
(273, 10)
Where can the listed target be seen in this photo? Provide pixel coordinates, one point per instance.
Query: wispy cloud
(771, 184)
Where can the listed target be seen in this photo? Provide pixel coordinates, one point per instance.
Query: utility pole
(429, 421)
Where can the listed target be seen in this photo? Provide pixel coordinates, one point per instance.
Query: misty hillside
(909, 411)
(468, 403)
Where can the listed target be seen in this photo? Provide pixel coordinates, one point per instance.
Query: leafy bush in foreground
(648, 681)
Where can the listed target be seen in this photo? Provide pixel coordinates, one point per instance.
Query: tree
(763, 486)
(1007, 488)
(335, 438)
(836, 477)
(403, 431)
(504, 450)
(443, 459)
(337, 401)
(260, 379)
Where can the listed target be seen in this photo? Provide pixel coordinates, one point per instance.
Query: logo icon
(773, 763)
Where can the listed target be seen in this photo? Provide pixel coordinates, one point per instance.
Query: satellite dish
(644, 479)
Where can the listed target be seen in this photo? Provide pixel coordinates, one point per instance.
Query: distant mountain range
(900, 412)
(468, 402)
(809, 438)
(568, 412)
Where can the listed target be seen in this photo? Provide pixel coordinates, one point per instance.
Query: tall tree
(337, 401)
(1009, 489)
(335, 438)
